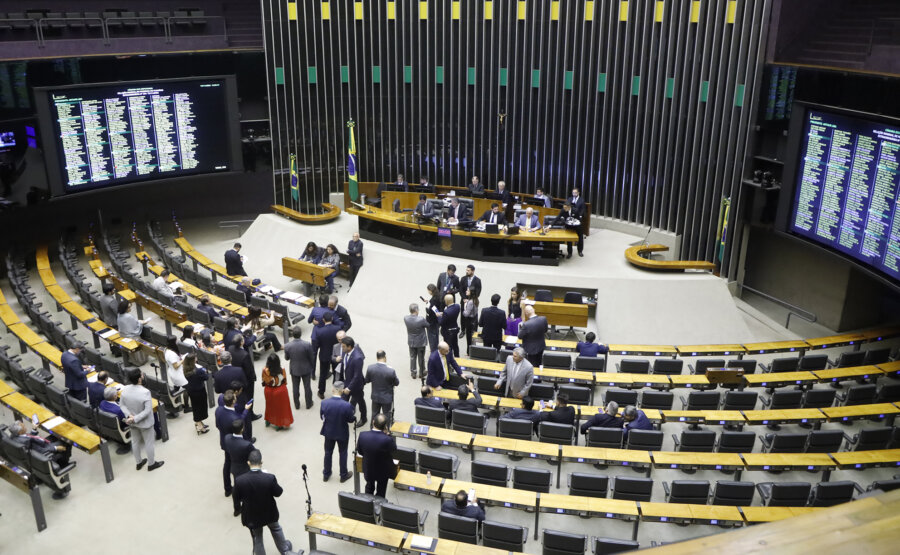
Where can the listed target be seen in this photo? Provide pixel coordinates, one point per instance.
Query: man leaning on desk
(424, 208)
(461, 505)
(458, 212)
(493, 216)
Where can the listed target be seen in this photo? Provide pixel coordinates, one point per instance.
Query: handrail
(794, 310)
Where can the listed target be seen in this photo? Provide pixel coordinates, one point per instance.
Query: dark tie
(492, 218)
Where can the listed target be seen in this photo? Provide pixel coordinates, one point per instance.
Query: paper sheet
(53, 422)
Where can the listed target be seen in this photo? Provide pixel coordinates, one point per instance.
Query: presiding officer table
(403, 230)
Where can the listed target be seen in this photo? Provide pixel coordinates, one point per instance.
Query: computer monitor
(535, 202)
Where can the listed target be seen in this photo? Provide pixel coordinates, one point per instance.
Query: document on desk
(54, 422)
(424, 543)
(107, 334)
(269, 290)
(291, 296)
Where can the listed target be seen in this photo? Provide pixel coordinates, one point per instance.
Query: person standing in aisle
(355, 251)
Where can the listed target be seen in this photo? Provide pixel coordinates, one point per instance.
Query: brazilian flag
(295, 179)
(352, 164)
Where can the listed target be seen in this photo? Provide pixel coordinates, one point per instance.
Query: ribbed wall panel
(647, 122)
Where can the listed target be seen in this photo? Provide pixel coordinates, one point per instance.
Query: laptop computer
(491, 228)
(512, 230)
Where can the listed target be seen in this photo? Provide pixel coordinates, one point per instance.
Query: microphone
(303, 466)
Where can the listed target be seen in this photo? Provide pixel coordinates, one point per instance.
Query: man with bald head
(532, 332)
(529, 220)
(449, 321)
(441, 365)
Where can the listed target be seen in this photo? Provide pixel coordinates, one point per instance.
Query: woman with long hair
(278, 401)
(514, 312)
(331, 259)
(196, 377)
(310, 253)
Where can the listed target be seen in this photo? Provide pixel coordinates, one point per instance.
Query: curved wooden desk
(331, 213)
(633, 255)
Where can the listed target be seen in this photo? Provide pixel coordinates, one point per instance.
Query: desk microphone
(304, 469)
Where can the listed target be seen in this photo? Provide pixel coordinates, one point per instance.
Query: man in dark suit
(96, 388)
(323, 340)
(255, 492)
(228, 374)
(492, 321)
(531, 333)
(302, 358)
(109, 305)
(505, 197)
(57, 451)
(424, 184)
(355, 253)
(377, 448)
(525, 412)
(465, 403)
(493, 216)
(461, 505)
(336, 413)
(423, 207)
(428, 399)
(244, 360)
(562, 414)
(383, 379)
(470, 284)
(577, 202)
(448, 282)
(566, 212)
(476, 187)
(231, 332)
(225, 416)
(458, 211)
(449, 320)
(440, 364)
(605, 418)
(76, 373)
(635, 419)
(341, 316)
(316, 314)
(432, 306)
(401, 183)
(237, 449)
(234, 262)
(206, 307)
(355, 381)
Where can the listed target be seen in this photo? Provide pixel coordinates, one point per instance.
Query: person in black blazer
(237, 449)
(424, 208)
(355, 380)
(449, 320)
(234, 262)
(76, 373)
(228, 374)
(255, 492)
(437, 374)
(460, 505)
(492, 321)
(470, 284)
(562, 414)
(458, 211)
(342, 317)
(464, 402)
(355, 253)
(242, 359)
(531, 333)
(577, 202)
(505, 197)
(525, 412)
(448, 282)
(323, 341)
(605, 418)
(425, 185)
(428, 399)
(336, 413)
(231, 332)
(377, 448)
(97, 388)
(432, 305)
(226, 414)
(208, 308)
(401, 183)
(493, 216)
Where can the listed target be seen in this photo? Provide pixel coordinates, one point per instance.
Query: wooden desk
(5, 389)
(450, 547)
(443, 436)
(721, 417)
(79, 437)
(8, 315)
(715, 514)
(867, 459)
(99, 270)
(850, 373)
(306, 272)
(772, 514)
(331, 212)
(775, 347)
(780, 379)
(666, 512)
(788, 461)
(835, 340)
(643, 350)
(787, 416)
(634, 256)
(413, 481)
(355, 531)
(26, 407)
(602, 455)
(557, 503)
(880, 334)
(855, 412)
(696, 381)
(731, 349)
(890, 368)
(25, 334)
(689, 460)
(561, 314)
(492, 495)
(49, 353)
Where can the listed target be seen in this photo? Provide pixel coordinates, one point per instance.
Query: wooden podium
(306, 272)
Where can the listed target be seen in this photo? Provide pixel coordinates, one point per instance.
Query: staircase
(847, 38)
(244, 23)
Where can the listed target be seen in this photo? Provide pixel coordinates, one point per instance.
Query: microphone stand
(309, 510)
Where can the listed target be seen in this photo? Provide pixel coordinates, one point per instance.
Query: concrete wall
(789, 21)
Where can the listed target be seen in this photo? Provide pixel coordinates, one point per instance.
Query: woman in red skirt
(278, 402)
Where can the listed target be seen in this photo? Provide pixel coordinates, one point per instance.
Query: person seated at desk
(464, 402)
(424, 208)
(476, 187)
(440, 364)
(259, 323)
(96, 388)
(161, 286)
(588, 348)
(425, 184)
(562, 413)
(246, 287)
(539, 195)
(458, 212)
(428, 399)
(503, 192)
(635, 420)
(57, 451)
(605, 418)
(461, 505)
(529, 221)
(110, 404)
(493, 216)
(525, 412)
(208, 308)
(311, 253)
(401, 184)
(331, 259)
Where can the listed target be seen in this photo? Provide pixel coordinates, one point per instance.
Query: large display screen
(847, 188)
(113, 134)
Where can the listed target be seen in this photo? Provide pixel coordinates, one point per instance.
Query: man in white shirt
(161, 286)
